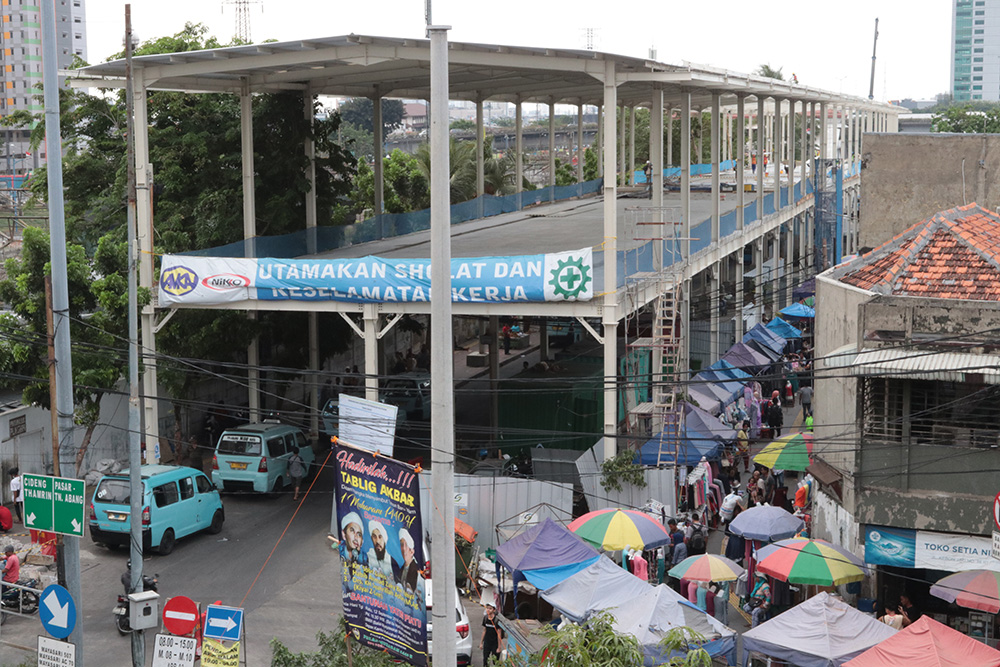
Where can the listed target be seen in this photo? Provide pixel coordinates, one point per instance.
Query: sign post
(54, 504)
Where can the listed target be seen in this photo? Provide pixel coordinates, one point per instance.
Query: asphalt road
(295, 596)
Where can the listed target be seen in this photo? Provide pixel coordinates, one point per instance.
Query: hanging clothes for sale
(640, 567)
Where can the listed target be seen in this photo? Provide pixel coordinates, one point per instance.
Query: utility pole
(871, 84)
(60, 291)
(134, 409)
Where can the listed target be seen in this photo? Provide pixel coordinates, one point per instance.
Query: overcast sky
(826, 44)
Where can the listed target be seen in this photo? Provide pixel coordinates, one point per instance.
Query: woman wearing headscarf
(760, 601)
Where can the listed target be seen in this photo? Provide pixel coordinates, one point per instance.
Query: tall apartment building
(975, 50)
(21, 43)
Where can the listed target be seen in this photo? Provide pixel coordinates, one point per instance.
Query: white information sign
(172, 651)
(367, 424)
(54, 653)
(996, 545)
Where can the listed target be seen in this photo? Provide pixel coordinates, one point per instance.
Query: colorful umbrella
(766, 523)
(804, 561)
(975, 589)
(791, 452)
(614, 529)
(706, 567)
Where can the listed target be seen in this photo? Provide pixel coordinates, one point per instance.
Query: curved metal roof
(363, 65)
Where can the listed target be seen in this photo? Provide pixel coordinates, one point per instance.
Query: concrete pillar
(480, 147)
(824, 139)
(686, 171)
(309, 148)
(670, 137)
(792, 276)
(249, 232)
(379, 151)
(610, 318)
(552, 150)
(714, 148)
(739, 154)
(630, 165)
(519, 151)
(622, 132)
(804, 142)
(371, 351)
(714, 290)
(791, 152)
(700, 140)
(579, 143)
(599, 142)
(740, 301)
(656, 180)
(776, 265)
(776, 154)
(684, 362)
(758, 283)
(761, 149)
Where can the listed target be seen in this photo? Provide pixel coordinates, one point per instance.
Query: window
(977, 87)
(978, 31)
(979, 50)
(165, 494)
(977, 60)
(980, 12)
(977, 41)
(977, 69)
(204, 486)
(187, 488)
(276, 447)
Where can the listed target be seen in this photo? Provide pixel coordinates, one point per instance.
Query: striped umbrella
(614, 529)
(791, 452)
(974, 589)
(800, 560)
(706, 567)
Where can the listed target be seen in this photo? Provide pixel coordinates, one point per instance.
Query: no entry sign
(180, 615)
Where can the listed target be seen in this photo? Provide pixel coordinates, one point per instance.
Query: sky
(825, 44)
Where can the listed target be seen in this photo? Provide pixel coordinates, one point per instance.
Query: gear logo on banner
(569, 279)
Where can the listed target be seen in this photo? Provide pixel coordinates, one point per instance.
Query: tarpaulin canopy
(729, 370)
(765, 337)
(703, 435)
(745, 357)
(640, 610)
(765, 349)
(928, 643)
(722, 381)
(705, 399)
(783, 328)
(805, 290)
(798, 310)
(823, 631)
(544, 555)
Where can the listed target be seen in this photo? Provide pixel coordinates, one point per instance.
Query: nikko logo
(569, 279)
(226, 281)
(178, 280)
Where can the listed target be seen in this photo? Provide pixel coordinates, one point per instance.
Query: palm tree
(771, 73)
(498, 172)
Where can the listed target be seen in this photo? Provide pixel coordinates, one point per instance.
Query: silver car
(463, 640)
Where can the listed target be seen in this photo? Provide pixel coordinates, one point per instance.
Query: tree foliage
(332, 652)
(405, 186)
(359, 112)
(769, 72)
(967, 119)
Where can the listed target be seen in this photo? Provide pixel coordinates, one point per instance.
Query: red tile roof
(954, 254)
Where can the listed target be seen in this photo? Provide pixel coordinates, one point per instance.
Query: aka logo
(226, 281)
(178, 280)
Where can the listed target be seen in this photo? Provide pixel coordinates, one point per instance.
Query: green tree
(405, 186)
(97, 289)
(766, 70)
(967, 119)
(565, 173)
(590, 164)
(498, 172)
(463, 125)
(332, 652)
(359, 112)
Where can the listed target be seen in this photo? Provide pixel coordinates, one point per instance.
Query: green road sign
(54, 504)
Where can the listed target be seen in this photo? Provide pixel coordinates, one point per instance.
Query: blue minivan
(176, 501)
(254, 457)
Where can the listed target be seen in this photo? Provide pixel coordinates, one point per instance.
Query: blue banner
(382, 558)
(890, 546)
(564, 276)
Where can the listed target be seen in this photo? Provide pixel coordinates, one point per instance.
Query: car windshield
(403, 388)
(113, 491)
(236, 443)
(332, 407)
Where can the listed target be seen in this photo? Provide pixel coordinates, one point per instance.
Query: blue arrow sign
(223, 623)
(57, 611)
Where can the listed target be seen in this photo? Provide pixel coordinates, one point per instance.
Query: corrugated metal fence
(659, 485)
(483, 502)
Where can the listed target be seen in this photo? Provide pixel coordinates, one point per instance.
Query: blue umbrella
(798, 310)
(766, 523)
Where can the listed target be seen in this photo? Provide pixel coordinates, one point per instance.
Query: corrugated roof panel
(948, 366)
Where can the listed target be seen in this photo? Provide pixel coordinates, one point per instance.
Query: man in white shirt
(15, 492)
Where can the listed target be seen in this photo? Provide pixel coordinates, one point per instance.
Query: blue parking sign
(223, 623)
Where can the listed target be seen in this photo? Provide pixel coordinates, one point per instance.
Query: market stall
(928, 643)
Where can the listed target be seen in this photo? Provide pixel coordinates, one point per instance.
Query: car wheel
(217, 520)
(167, 542)
(279, 485)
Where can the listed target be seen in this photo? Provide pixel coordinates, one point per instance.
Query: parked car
(463, 641)
(330, 416)
(254, 457)
(176, 502)
(411, 393)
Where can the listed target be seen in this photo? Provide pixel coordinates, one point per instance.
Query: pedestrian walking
(296, 470)
(806, 399)
(15, 492)
(492, 634)
(743, 446)
(506, 339)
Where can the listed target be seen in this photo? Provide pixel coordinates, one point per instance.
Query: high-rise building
(975, 50)
(21, 57)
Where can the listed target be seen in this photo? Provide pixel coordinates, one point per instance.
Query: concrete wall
(925, 510)
(906, 178)
(835, 402)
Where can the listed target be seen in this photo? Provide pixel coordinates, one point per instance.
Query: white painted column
(739, 154)
(714, 289)
(610, 317)
(480, 147)
(249, 232)
(791, 275)
(776, 154)
(371, 323)
(741, 294)
(552, 150)
(791, 152)
(519, 150)
(686, 171)
(599, 142)
(144, 241)
(656, 151)
(579, 143)
(670, 137)
(761, 149)
(622, 130)
(714, 149)
(379, 153)
(630, 166)
(758, 283)
(804, 142)
(775, 243)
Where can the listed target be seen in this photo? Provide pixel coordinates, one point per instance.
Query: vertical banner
(377, 506)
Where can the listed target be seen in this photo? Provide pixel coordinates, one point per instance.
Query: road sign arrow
(76, 525)
(226, 623)
(60, 612)
(30, 519)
